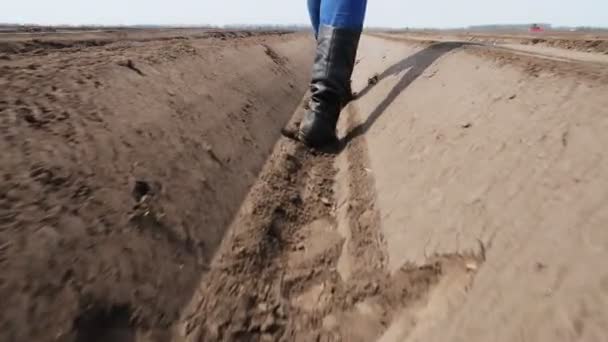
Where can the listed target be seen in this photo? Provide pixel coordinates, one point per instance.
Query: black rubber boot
(350, 96)
(330, 85)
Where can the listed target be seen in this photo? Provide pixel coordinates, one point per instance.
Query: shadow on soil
(417, 64)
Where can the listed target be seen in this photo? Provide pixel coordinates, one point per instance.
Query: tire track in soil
(276, 277)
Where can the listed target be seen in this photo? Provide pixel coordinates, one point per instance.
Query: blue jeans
(348, 14)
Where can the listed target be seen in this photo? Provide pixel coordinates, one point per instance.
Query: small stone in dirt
(373, 287)
(29, 118)
(140, 190)
(512, 97)
(471, 266)
(325, 201)
(280, 311)
(349, 300)
(467, 125)
(269, 324)
(539, 266)
(263, 307)
(373, 80)
(295, 199)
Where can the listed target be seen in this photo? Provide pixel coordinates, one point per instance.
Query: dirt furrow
(305, 259)
(262, 263)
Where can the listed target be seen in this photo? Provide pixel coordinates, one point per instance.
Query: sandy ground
(121, 167)
(577, 51)
(453, 213)
(592, 41)
(497, 161)
(149, 196)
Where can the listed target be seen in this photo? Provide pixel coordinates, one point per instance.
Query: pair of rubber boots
(330, 85)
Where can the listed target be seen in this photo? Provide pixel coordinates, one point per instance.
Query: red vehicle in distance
(536, 29)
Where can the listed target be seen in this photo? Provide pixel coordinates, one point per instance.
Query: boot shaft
(333, 66)
(330, 85)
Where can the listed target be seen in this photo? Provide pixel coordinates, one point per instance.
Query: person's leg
(344, 14)
(341, 22)
(314, 10)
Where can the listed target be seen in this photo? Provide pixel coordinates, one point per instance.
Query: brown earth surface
(122, 165)
(588, 41)
(147, 194)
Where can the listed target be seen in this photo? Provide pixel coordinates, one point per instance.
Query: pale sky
(387, 13)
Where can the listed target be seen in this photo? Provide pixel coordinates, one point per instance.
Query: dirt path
(402, 234)
(305, 260)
